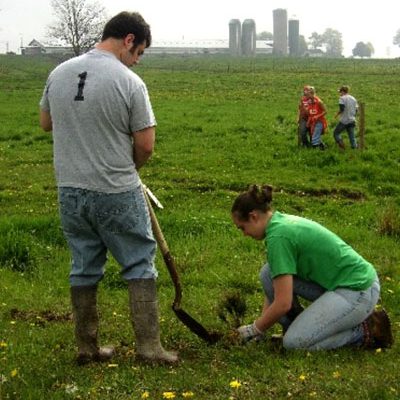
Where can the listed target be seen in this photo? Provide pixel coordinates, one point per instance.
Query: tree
(316, 40)
(333, 42)
(396, 39)
(265, 36)
(302, 45)
(363, 50)
(79, 23)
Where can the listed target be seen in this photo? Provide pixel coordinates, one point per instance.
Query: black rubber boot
(144, 314)
(84, 308)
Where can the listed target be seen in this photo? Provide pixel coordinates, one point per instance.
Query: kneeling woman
(307, 260)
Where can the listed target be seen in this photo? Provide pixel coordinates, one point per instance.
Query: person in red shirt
(316, 119)
(304, 132)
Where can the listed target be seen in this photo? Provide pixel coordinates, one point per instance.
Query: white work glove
(249, 332)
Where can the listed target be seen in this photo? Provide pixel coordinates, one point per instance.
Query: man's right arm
(341, 109)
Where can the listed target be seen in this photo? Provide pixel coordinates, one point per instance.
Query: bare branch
(79, 23)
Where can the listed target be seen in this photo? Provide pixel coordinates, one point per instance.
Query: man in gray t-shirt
(348, 108)
(104, 131)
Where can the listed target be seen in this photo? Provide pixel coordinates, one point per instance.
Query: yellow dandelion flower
(14, 373)
(188, 394)
(145, 395)
(168, 395)
(3, 344)
(235, 384)
(313, 394)
(336, 374)
(302, 377)
(378, 351)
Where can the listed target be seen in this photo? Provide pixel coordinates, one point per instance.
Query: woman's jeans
(332, 320)
(304, 132)
(317, 133)
(95, 222)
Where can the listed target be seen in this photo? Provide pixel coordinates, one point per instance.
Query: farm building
(216, 46)
(36, 48)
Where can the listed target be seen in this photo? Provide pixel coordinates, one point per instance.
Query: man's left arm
(46, 122)
(143, 146)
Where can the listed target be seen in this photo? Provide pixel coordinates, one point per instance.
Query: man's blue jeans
(350, 128)
(95, 222)
(332, 320)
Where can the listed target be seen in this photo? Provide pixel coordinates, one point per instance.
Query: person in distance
(303, 129)
(316, 121)
(348, 109)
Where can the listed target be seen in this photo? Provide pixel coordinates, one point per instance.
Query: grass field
(222, 124)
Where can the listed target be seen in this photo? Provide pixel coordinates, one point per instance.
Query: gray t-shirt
(96, 103)
(350, 109)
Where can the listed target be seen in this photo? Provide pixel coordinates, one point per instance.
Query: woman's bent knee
(292, 340)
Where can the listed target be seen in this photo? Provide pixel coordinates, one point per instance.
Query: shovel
(183, 316)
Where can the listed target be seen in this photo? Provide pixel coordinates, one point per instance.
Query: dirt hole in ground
(39, 317)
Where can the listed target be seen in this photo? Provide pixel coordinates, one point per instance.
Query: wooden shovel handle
(169, 261)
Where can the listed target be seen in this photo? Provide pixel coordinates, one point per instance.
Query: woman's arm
(283, 289)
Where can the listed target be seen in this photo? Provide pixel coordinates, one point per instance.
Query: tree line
(79, 24)
(331, 41)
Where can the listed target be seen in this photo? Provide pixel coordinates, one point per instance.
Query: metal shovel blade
(196, 327)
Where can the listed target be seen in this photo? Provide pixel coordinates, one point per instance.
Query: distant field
(223, 124)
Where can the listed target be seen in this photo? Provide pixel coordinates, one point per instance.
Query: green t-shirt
(298, 246)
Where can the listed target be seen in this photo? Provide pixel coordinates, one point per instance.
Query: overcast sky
(370, 21)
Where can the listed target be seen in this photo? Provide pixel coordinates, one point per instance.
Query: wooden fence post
(362, 126)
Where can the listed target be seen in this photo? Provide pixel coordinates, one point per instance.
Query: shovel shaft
(169, 261)
(182, 315)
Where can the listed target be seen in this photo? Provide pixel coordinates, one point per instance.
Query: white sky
(367, 21)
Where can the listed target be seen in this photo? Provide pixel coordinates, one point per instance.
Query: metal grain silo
(235, 37)
(294, 37)
(248, 37)
(280, 32)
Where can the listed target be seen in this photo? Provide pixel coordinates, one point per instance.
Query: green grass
(222, 124)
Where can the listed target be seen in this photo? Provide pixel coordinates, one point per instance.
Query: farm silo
(280, 32)
(235, 37)
(249, 37)
(294, 37)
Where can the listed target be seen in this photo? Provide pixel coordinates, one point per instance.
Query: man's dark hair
(124, 23)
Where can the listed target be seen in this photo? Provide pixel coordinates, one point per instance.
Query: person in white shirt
(348, 108)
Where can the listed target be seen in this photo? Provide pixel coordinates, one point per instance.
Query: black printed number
(81, 85)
